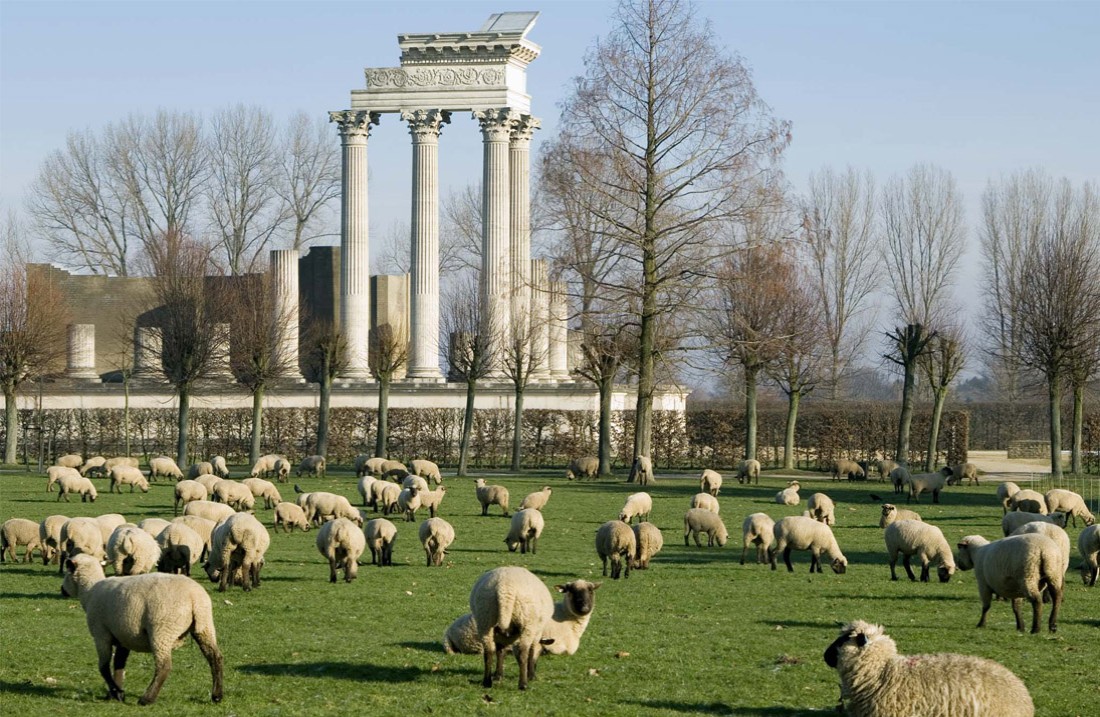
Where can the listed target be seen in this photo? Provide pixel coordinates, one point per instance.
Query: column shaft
(559, 331)
(148, 359)
(540, 320)
(284, 286)
(519, 171)
(81, 352)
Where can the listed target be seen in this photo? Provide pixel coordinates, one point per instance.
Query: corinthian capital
(523, 128)
(354, 123)
(496, 124)
(425, 124)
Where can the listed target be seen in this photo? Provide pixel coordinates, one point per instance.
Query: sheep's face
(721, 537)
(965, 559)
(839, 565)
(579, 596)
(1058, 518)
(853, 637)
(945, 572)
(81, 572)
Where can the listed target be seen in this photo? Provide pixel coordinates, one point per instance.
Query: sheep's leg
(103, 648)
(815, 561)
(935, 496)
(121, 655)
(923, 570)
(1016, 611)
(908, 569)
(744, 550)
(893, 563)
(604, 558)
(162, 658)
(485, 509)
(787, 559)
(523, 657)
(1056, 604)
(695, 534)
(331, 569)
(986, 596)
(627, 565)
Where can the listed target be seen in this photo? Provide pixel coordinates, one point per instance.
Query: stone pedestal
(559, 331)
(284, 288)
(148, 361)
(81, 353)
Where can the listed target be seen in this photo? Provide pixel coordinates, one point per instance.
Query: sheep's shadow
(830, 624)
(359, 672)
(26, 688)
(51, 595)
(422, 645)
(721, 708)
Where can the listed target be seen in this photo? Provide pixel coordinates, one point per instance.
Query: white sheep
(1013, 520)
(891, 512)
(234, 494)
(796, 532)
(93, 465)
(341, 542)
(411, 480)
(789, 495)
(394, 467)
(143, 613)
(208, 481)
(119, 461)
(81, 536)
(525, 530)
(282, 470)
(376, 465)
(132, 551)
(202, 468)
(1088, 544)
(321, 506)
(822, 509)
(844, 468)
(164, 466)
(364, 488)
(491, 495)
(875, 681)
(706, 501)
(265, 489)
(237, 549)
(187, 491)
(360, 464)
(386, 495)
(1005, 491)
(202, 526)
(538, 499)
(757, 529)
(1028, 501)
(1070, 503)
(71, 460)
(710, 482)
(433, 499)
(76, 484)
(128, 475)
(54, 473)
(511, 607)
(107, 524)
(290, 516)
(1052, 531)
(154, 526)
(221, 470)
(436, 535)
(885, 466)
(912, 537)
(216, 512)
(312, 466)
(637, 505)
(698, 520)
(426, 469)
(900, 478)
(615, 541)
(648, 542)
(408, 502)
(20, 531)
(930, 482)
(748, 470)
(381, 535)
(180, 548)
(262, 468)
(1016, 567)
(586, 467)
(49, 534)
(642, 471)
(969, 471)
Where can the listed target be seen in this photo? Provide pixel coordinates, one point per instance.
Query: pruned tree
(521, 357)
(387, 357)
(941, 362)
(468, 355)
(309, 174)
(324, 352)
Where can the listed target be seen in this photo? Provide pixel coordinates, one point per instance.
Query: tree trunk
(901, 454)
(126, 412)
(606, 384)
(1076, 466)
(1054, 387)
(181, 425)
(750, 412)
(257, 424)
(517, 431)
(934, 434)
(467, 427)
(792, 418)
(11, 421)
(382, 438)
(323, 404)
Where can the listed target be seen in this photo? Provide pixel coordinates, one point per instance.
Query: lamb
(885, 466)
(911, 537)
(615, 540)
(537, 500)
(1017, 518)
(758, 529)
(221, 470)
(789, 495)
(128, 475)
(891, 512)
(408, 502)
(290, 516)
(586, 467)
(76, 484)
(49, 535)
(1019, 566)
(875, 681)
(1029, 501)
(381, 535)
(364, 489)
(132, 551)
(187, 491)
(342, 542)
(81, 536)
(202, 468)
(234, 494)
(203, 527)
(748, 470)
(525, 530)
(799, 533)
(264, 489)
(263, 467)
(20, 531)
(1058, 535)
(426, 469)
(637, 505)
(1070, 503)
(321, 506)
(93, 465)
(433, 499)
(164, 466)
(54, 473)
(710, 482)
(510, 606)
(698, 521)
(642, 471)
(491, 495)
(180, 548)
(1088, 544)
(822, 508)
(216, 512)
(1005, 491)
(119, 461)
(845, 468)
(312, 466)
(900, 478)
(154, 526)
(238, 547)
(931, 482)
(143, 613)
(71, 460)
(436, 535)
(706, 501)
(969, 471)
(648, 541)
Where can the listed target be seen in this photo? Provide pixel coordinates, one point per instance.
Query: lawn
(696, 633)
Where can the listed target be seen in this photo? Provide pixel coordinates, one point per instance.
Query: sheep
(389, 466)
(381, 535)
(796, 532)
(312, 466)
(154, 526)
(180, 548)
(1028, 501)
(1088, 544)
(375, 465)
(900, 478)
(436, 535)
(76, 484)
(202, 468)
(216, 512)
(408, 502)
(875, 681)
(263, 467)
(969, 471)
(822, 508)
(203, 527)
(885, 466)
(491, 495)
(637, 505)
(642, 471)
(1019, 566)
(71, 460)
(1058, 535)
(93, 465)
(586, 467)
(364, 489)
(221, 470)
(706, 501)
(911, 537)
(1070, 503)
(20, 531)
(847, 469)
(360, 464)
(264, 489)
(321, 506)
(789, 495)
(748, 470)
(234, 494)
(81, 536)
(290, 516)
(187, 491)
(107, 524)
(132, 551)
(930, 482)
(511, 606)
(282, 470)
(1005, 491)
(164, 466)
(54, 473)
(208, 481)
(615, 540)
(525, 530)
(648, 542)
(415, 480)
(341, 542)
(538, 499)
(891, 512)
(433, 499)
(49, 535)
(710, 482)
(119, 461)
(128, 475)
(1011, 521)
(698, 520)
(386, 495)
(237, 547)
(426, 469)
(757, 529)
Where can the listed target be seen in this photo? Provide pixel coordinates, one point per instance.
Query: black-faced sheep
(187, 491)
(491, 495)
(641, 472)
(757, 529)
(1070, 503)
(202, 468)
(432, 499)
(128, 475)
(900, 478)
(928, 482)
(843, 468)
(1088, 544)
(1010, 522)
(698, 520)
(202, 526)
(221, 470)
(321, 506)
(538, 499)
(822, 509)
(180, 548)
(637, 505)
(648, 542)
(615, 541)
(891, 512)
(1016, 567)
(525, 530)
(234, 494)
(341, 542)
(132, 551)
(216, 512)
(54, 473)
(93, 466)
(290, 516)
(426, 469)
(884, 466)
(436, 535)
(912, 537)
(510, 606)
(959, 471)
(262, 468)
(264, 489)
(49, 533)
(586, 467)
(1028, 501)
(1005, 491)
(706, 501)
(380, 534)
(164, 466)
(237, 549)
(800, 533)
(364, 487)
(71, 460)
(1052, 531)
(76, 484)
(748, 470)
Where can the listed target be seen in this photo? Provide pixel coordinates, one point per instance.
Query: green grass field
(696, 633)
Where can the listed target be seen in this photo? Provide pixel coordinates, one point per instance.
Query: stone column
(425, 126)
(559, 332)
(496, 268)
(540, 320)
(81, 364)
(219, 366)
(354, 127)
(148, 362)
(284, 287)
(519, 173)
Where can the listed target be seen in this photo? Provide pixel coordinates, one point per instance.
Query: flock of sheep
(511, 608)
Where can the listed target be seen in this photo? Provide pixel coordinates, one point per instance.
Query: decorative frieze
(424, 77)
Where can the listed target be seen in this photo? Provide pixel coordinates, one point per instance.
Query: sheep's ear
(861, 640)
(596, 586)
(70, 565)
(560, 588)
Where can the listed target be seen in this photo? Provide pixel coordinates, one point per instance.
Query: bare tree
(324, 351)
(520, 360)
(387, 357)
(309, 174)
(942, 361)
(460, 238)
(468, 355)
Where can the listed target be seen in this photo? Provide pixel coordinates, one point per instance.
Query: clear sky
(980, 88)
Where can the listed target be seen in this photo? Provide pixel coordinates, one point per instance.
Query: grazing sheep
(400, 475)
(386, 495)
(128, 475)
(875, 681)
(1058, 535)
(216, 512)
(396, 468)
(511, 606)
(436, 535)
(154, 526)
(290, 516)
(360, 464)
(364, 489)
(81, 536)
(411, 480)
(164, 466)
(426, 469)
(408, 502)
(208, 481)
(637, 505)
(758, 529)
(312, 466)
(1028, 501)
(706, 501)
(1005, 491)
(969, 471)
(1017, 518)
(49, 535)
(381, 535)
(203, 527)
(93, 465)
(70, 461)
(1019, 566)
(342, 542)
(202, 468)
(789, 495)
(748, 470)
(282, 470)
(615, 540)
(524, 532)
(376, 465)
(433, 499)
(54, 473)
(20, 531)
(187, 491)
(912, 537)
(1070, 503)
(710, 482)
(845, 468)
(891, 512)
(264, 489)
(800, 533)
(586, 467)
(237, 549)
(1088, 544)
(120, 461)
(928, 482)
(698, 520)
(107, 524)
(180, 548)
(648, 541)
(321, 506)
(641, 472)
(234, 494)
(822, 509)
(221, 470)
(262, 468)
(491, 495)
(885, 466)
(900, 478)
(76, 484)
(538, 499)
(132, 551)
